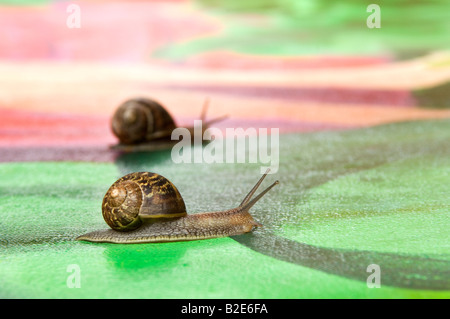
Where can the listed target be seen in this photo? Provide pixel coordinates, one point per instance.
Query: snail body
(144, 124)
(157, 213)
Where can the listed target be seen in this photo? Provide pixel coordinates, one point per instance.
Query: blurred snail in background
(146, 207)
(142, 123)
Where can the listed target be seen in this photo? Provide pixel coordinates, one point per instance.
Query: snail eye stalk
(246, 203)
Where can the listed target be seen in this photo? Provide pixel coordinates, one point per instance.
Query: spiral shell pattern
(138, 196)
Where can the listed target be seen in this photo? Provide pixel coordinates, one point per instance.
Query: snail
(144, 124)
(146, 207)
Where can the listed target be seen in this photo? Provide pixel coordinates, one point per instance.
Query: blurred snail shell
(146, 207)
(140, 119)
(143, 121)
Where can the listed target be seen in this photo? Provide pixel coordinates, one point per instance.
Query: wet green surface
(346, 200)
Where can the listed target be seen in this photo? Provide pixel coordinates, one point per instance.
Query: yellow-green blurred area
(305, 27)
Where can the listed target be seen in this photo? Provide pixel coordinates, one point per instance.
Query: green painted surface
(346, 200)
(322, 27)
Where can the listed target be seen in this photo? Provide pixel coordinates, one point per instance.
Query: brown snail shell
(141, 119)
(138, 196)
